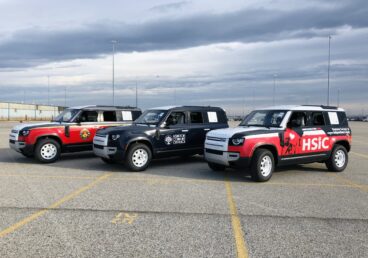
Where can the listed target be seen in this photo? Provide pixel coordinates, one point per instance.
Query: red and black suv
(281, 136)
(73, 130)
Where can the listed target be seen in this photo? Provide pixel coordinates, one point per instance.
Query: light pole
(328, 70)
(274, 89)
(48, 90)
(113, 42)
(338, 97)
(65, 96)
(136, 92)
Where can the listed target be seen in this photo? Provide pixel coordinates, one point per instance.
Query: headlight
(114, 137)
(237, 141)
(24, 133)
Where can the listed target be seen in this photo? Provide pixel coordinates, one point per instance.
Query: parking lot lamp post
(113, 42)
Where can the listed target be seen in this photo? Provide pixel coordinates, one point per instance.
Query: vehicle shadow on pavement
(193, 167)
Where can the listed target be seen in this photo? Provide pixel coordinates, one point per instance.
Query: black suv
(159, 132)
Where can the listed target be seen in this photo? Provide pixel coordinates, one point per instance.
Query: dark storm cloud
(35, 46)
(169, 7)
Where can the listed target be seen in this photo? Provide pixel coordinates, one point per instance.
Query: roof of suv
(186, 107)
(97, 107)
(304, 107)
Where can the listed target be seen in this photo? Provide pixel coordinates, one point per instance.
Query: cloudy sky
(223, 53)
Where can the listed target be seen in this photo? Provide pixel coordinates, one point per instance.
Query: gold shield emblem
(84, 134)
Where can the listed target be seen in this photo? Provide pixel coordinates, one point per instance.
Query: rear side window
(212, 117)
(109, 116)
(196, 118)
(334, 118)
(127, 115)
(136, 114)
(342, 118)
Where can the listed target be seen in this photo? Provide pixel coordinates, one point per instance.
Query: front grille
(101, 135)
(98, 146)
(217, 152)
(217, 139)
(14, 131)
(12, 141)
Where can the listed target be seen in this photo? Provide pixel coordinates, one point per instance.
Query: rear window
(127, 115)
(109, 116)
(196, 118)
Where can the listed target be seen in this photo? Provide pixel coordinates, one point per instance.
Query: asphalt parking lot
(81, 207)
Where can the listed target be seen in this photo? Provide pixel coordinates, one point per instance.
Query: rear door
(198, 129)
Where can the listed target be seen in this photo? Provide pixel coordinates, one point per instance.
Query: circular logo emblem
(168, 140)
(84, 134)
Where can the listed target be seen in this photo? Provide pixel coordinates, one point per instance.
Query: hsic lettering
(315, 144)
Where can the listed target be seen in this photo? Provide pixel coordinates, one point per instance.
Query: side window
(334, 119)
(196, 118)
(297, 119)
(317, 119)
(88, 116)
(109, 116)
(176, 118)
(127, 115)
(212, 117)
(342, 118)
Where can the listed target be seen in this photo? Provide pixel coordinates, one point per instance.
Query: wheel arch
(142, 140)
(50, 136)
(344, 143)
(272, 148)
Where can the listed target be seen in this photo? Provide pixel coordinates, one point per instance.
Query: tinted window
(298, 119)
(196, 118)
(176, 118)
(109, 116)
(317, 119)
(342, 118)
(88, 116)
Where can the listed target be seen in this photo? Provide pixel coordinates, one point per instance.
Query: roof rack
(321, 106)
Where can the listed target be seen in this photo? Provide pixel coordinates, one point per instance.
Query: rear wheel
(138, 157)
(216, 167)
(263, 165)
(47, 150)
(338, 159)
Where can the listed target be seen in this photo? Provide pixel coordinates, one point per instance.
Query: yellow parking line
(55, 205)
(242, 251)
(359, 154)
(350, 182)
(47, 176)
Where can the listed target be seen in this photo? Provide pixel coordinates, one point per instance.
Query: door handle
(185, 131)
(207, 129)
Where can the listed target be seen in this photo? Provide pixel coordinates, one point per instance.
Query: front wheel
(263, 165)
(138, 157)
(338, 159)
(47, 150)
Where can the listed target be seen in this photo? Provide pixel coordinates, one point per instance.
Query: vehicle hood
(30, 126)
(241, 131)
(132, 129)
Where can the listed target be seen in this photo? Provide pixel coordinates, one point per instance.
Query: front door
(173, 136)
(83, 131)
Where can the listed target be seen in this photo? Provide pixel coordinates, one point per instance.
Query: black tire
(338, 160)
(47, 150)
(108, 161)
(258, 172)
(134, 161)
(216, 167)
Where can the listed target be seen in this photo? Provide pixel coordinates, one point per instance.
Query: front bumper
(226, 158)
(104, 151)
(16, 145)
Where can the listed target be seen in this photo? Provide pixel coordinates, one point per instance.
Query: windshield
(152, 117)
(66, 115)
(266, 118)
